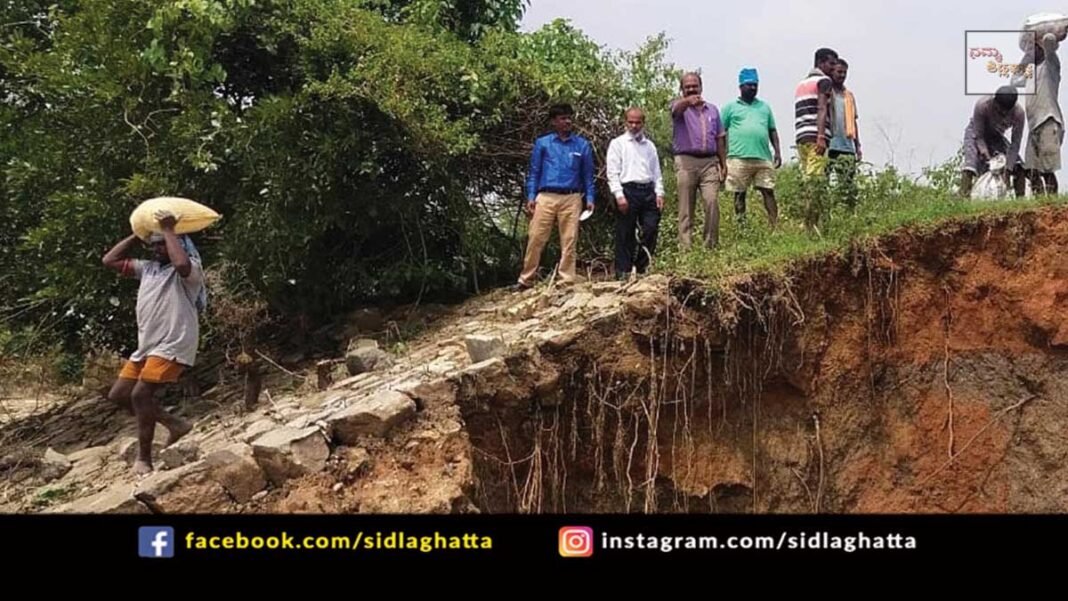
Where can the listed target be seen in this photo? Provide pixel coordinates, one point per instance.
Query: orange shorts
(154, 370)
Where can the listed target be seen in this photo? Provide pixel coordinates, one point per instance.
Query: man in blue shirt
(560, 179)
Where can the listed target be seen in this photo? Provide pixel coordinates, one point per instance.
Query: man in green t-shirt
(749, 126)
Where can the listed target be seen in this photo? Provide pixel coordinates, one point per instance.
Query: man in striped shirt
(814, 112)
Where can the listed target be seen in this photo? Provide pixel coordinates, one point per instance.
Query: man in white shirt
(1045, 121)
(635, 180)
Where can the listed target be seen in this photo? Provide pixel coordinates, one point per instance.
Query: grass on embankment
(887, 201)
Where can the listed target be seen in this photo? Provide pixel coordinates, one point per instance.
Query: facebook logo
(155, 541)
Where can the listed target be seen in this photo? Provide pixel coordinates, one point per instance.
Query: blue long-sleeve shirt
(557, 164)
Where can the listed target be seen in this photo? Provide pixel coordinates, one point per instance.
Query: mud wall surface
(925, 372)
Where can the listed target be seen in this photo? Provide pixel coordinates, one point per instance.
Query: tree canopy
(359, 150)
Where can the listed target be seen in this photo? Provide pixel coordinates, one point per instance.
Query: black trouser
(642, 214)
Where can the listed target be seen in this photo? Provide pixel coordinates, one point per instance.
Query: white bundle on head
(1040, 18)
(1041, 24)
(191, 216)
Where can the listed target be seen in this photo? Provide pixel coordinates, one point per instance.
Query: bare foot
(178, 428)
(142, 468)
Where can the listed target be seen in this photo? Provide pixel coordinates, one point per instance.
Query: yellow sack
(192, 216)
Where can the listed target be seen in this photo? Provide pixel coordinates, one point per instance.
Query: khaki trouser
(562, 210)
(694, 173)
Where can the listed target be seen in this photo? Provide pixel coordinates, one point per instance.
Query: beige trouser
(694, 173)
(550, 209)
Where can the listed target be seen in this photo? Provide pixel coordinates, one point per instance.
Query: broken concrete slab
(481, 347)
(371, 416)
(556, 341)
(187, 489)
(437, 393)
(115, 499)
(181, 453)
(287, 453)
(235, 468)
(490, 367)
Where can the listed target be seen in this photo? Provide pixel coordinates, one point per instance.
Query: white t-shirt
(168, 325)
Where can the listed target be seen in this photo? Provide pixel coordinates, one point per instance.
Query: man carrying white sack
(1045, 122)
(170, 296)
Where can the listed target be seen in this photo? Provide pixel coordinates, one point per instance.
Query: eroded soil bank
(924, 373)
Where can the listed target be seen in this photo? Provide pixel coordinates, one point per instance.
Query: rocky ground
(384, 433)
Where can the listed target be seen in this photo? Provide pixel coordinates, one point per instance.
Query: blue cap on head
(748, 76)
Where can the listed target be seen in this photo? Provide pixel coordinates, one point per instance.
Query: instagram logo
(576, 541)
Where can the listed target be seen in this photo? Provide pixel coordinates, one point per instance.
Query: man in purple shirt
(700, 158)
